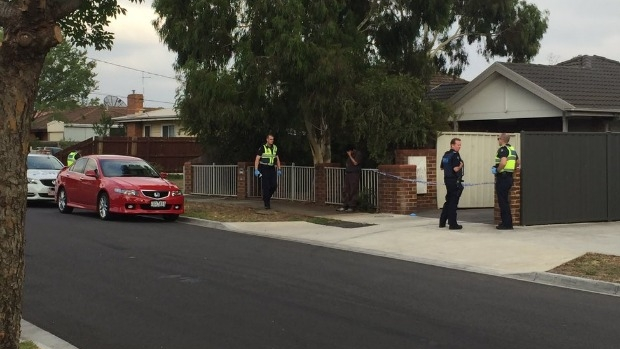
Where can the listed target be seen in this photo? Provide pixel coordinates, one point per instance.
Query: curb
(36, 335)
(572, 282)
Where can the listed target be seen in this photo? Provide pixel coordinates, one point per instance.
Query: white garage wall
(478, 151)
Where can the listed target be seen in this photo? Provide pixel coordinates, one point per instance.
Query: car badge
(54, 182)
(156, 194)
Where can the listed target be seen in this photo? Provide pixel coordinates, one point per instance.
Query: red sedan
(116, 184)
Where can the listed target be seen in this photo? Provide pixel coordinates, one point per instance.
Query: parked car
(117, 184)
(42, 170)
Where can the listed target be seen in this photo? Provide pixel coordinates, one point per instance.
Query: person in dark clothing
(267, 167)
(353, 173)
(506, 161)
(452, 166)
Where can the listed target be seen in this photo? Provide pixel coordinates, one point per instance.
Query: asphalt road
(144, 283)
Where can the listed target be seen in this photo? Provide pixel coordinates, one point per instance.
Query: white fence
(369, 185)
(297, 183)
(214, 179)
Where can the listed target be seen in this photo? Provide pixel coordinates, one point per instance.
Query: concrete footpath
(525, 253)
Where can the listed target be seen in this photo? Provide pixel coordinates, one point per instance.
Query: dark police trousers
(503, 183)
(269, 182)
(454, 189)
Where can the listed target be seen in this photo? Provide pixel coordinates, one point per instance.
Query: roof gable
(583, 82)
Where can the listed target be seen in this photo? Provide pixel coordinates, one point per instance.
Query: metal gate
(569, 177)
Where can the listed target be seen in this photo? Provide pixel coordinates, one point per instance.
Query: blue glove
(279, 172)
(256, 173)
(494, 170)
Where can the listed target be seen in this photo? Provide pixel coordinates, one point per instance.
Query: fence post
(320, 182)
(187, 178)
(242, 176)
(100, 142)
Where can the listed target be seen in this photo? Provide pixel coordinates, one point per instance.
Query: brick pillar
(515, 201)
(397, 195)
(187, 178)
(242, 179)
(428, 200)
(320, 182)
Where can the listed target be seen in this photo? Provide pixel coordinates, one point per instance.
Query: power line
(134, 69)
(130, 68)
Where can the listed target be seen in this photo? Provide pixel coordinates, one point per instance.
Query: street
(138, 282)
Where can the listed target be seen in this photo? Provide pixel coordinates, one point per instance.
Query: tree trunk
(319, 138)
(21, 61)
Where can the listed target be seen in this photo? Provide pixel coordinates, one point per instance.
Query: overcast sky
(139, 62)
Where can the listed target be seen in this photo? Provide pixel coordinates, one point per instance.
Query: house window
(167, 131)
(147, 130)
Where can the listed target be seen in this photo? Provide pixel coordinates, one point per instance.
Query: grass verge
(595, 266)
(27, 345)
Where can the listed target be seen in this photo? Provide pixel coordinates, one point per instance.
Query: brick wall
(397, 195)
(428, 200)
(515, 201)
(133, 129)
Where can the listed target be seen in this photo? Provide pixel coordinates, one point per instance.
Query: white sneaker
(341, 209)
(349, 210)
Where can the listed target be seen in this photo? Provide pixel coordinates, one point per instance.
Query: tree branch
(458, 34)
(62, 8)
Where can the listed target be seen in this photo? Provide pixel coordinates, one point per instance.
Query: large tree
(66, 80)
(31, 28)
(331, 70)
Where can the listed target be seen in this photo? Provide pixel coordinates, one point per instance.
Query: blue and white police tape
(429, 182)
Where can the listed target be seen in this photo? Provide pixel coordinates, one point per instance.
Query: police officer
(267, 167)
(452, 166)
(74, 155)
(505, 164)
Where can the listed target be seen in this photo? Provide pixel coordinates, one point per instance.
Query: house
(581, 94)
(152, 123)
(77, 125)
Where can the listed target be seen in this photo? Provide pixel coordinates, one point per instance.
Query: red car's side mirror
(163, 175)
(90, 173)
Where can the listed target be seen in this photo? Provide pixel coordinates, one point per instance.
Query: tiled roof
(445, 91)
(84, 115)
(586, 82)
(442, 79)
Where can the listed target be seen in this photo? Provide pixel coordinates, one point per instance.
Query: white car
(42, 172)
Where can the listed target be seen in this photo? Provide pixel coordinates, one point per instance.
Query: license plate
(158, 204)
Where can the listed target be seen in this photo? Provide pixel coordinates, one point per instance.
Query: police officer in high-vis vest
(505, 164)
(74, 155)
(267, 167)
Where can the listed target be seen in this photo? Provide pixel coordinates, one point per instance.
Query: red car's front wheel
(103, 206)
(62, 202)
